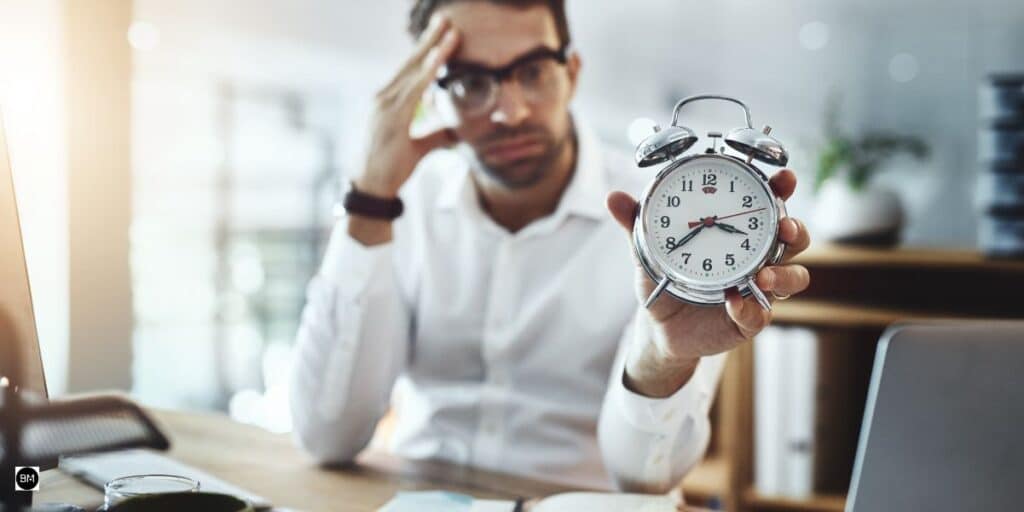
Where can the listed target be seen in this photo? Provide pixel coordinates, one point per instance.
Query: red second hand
(702, 221)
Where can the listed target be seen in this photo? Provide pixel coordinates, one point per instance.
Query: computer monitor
(15, 294)
(942, 427)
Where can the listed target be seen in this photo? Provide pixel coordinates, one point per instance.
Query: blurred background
(177, 162)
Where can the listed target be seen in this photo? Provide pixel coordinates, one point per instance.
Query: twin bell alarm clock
(709, 221)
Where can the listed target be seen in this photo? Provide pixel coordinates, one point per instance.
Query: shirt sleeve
(649, 444)
(351, 345)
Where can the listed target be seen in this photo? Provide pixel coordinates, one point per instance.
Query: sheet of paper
(492, 506)
(442, 501)
(600, 502)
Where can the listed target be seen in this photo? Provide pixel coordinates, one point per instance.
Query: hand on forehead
(493, 35)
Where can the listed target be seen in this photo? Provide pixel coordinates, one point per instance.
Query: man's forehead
(494, 34)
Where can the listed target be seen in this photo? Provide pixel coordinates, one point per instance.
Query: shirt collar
(584, 196)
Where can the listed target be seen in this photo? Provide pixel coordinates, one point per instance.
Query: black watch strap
(366, 205)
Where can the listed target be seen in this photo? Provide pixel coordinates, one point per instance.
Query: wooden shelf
(817, 503)
(959, 259)
(817, 313)
(710, 479)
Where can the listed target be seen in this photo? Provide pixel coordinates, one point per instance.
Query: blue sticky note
(429, 501)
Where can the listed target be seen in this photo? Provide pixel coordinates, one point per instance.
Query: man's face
(515, 141)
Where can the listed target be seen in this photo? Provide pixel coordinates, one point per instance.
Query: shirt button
(669, 415)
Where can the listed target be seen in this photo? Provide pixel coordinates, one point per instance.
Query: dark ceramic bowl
(181, 501)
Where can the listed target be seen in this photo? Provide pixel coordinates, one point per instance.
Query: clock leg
(657, 291)
(759, 295)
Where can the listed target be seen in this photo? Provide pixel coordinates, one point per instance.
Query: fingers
(416, 81)
(794, 233)
(783, 183)
(434, 59)
(442, 138)
(623, 209)
(747, 315)
(436, 46)
(783, 280)
(436, 30)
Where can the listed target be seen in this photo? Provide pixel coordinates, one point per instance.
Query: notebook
(431, 501)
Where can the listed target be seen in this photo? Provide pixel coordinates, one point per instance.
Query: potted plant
(851, 208)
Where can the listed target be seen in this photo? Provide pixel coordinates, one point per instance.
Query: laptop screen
(17, 320)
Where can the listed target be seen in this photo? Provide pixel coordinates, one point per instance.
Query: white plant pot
(871, 216)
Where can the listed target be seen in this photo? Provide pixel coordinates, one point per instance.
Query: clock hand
(717, 218)
(729, 228)
(741, 213)
(706, 221)
(689, 236)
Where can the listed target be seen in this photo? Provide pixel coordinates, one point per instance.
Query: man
(500, 304)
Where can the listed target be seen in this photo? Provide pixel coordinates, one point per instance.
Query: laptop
(944, 422)
(15, 294)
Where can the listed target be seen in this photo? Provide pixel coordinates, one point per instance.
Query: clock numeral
(687, 185)
(670, 243)
(753, 223)
(746, 244)
(665, 221)
(748, 201)
(673, 201)
(710, 179)
(686, 258)
(707, 264)
(730, 259)
(732, 186)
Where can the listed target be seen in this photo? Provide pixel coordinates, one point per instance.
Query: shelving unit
(816, 503)
(855, 294)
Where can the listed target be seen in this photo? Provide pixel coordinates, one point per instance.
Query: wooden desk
(272, 466)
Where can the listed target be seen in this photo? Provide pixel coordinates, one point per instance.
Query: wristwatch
(367, 205)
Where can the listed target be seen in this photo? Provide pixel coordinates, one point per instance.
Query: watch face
(709, 222)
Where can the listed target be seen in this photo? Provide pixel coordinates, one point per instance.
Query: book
(768, 395)
(426, 501)
(785, 404)
(799, 404)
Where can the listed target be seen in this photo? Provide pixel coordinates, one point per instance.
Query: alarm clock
(709, 221)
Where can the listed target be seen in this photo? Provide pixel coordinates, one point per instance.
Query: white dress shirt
(504, 350)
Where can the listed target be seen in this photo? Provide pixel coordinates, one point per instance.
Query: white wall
(641, 55)
(270, 46)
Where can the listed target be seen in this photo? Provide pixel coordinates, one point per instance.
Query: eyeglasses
(474, 89)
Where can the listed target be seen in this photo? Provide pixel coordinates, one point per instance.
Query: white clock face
(709, 222)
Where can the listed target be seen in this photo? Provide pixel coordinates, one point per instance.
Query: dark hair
(419, 15)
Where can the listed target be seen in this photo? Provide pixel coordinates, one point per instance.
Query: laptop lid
(944, 421)
(15, 294)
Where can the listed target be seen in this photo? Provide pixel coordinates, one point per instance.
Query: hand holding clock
(683, 333)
